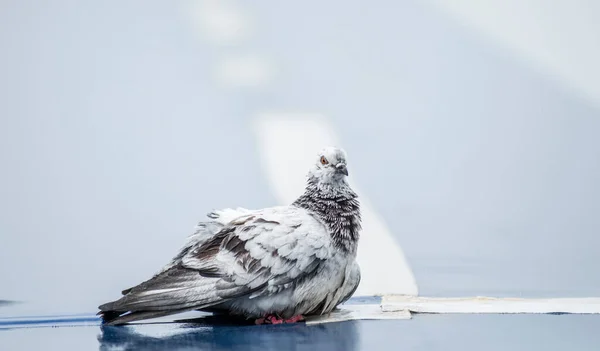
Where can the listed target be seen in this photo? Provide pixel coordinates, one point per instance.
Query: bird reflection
(218, 336)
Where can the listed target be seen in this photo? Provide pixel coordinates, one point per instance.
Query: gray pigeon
(273, 265)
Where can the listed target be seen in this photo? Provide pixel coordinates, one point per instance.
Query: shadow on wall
(6, 302)
(331, 336)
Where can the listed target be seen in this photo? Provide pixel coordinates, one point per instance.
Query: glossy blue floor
(423, 332)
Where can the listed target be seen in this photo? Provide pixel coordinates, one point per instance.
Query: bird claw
(295, 319)
(274, 319)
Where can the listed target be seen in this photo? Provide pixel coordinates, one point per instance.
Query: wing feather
(254, 254)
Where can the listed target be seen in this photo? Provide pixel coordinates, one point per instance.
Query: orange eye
(324, 160)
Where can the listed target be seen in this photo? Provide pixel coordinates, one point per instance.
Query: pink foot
(295, 319)
(274, 319)
(269, 319)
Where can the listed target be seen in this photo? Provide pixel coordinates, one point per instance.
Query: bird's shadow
(227, 334)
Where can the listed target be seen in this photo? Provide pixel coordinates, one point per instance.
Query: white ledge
(358, 312)
(585, 305)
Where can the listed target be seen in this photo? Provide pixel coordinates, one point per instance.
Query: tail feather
(176, 290)
(118, 318)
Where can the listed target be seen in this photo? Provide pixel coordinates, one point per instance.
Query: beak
(341, 168)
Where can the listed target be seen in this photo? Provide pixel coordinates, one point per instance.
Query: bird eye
(324, 160)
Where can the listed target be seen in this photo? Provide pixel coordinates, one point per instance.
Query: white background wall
(472, 128)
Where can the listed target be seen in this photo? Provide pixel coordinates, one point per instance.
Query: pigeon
(274, 265)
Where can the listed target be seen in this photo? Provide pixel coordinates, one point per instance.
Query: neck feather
(336, 204)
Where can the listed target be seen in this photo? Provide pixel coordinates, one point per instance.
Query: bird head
(330, 165)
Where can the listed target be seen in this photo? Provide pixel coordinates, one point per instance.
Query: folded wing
(253, 254)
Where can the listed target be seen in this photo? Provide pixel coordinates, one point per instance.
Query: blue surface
(423, 332)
